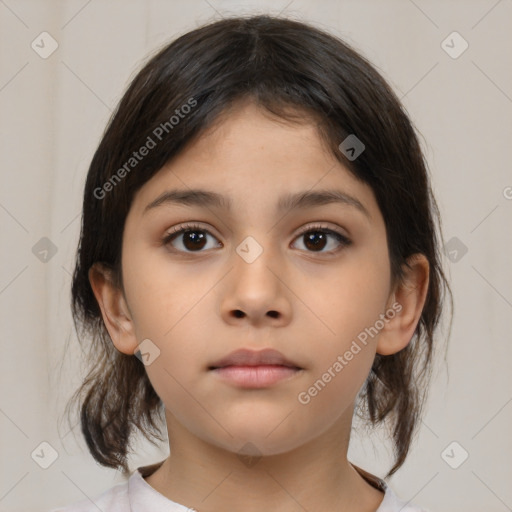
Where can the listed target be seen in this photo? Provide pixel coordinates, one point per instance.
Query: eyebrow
(299, 200)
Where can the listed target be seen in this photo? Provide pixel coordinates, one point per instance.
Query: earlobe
(114, 309)
(407, 301)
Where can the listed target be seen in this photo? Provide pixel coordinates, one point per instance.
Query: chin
(261, 439)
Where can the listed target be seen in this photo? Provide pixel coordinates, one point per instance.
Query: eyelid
(187, 225)
(194, 225)
(322, 227)
(180, 228)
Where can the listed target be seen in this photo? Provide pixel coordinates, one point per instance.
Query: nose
(257, 292)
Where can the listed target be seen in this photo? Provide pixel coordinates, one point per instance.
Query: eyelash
(178, 230)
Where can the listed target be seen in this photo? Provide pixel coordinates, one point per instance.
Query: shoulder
(391, 503)
(114, 499)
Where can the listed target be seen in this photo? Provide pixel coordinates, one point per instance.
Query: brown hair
(290, 69)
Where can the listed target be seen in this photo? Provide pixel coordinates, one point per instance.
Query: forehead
(249, 154)
(249, 129)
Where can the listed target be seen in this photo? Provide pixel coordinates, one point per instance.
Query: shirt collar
(141, 494)
(143, 497)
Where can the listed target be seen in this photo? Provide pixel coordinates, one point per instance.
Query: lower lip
(255, 376)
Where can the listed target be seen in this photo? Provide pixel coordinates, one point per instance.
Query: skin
(308, 304)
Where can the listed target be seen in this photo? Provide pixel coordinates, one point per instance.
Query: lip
(247, 357)
(254, 369)
(255, 377)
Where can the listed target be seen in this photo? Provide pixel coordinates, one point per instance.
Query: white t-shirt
(136, 495)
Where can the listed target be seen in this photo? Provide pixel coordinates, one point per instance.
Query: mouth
(254, 369)
(247, 357)
(255, 377)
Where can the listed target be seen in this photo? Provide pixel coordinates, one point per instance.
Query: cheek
(161, 295)
(350, 304)
(177, 373)
(340, 367)
(335, 388)
(348, 298)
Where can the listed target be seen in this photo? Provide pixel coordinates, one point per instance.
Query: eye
(194, 238)
(316, 238)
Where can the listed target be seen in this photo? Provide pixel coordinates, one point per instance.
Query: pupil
(315, 240)
(197, 238)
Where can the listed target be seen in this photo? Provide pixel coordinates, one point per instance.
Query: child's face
(310, 302)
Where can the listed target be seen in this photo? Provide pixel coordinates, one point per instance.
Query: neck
(315, 476)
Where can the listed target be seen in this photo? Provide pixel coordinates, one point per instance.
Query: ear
(114, 310)
(405, 306)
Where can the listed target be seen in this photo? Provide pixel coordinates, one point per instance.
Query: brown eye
(194, 240)
(316, 239)
(189, 239)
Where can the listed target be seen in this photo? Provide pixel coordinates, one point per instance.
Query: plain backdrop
(53, 109)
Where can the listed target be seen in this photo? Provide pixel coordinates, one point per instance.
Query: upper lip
(247, 357)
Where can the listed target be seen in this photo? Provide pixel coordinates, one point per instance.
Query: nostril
(240, 314)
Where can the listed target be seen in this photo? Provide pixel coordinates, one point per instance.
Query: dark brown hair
(296, 72)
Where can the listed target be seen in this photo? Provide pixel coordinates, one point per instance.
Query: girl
(258, 260)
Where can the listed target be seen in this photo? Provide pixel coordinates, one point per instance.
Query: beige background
(52, 114)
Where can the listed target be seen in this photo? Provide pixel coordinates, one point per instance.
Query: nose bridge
(253, 263)
(256, 291)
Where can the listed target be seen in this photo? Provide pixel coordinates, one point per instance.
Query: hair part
(296, 72)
